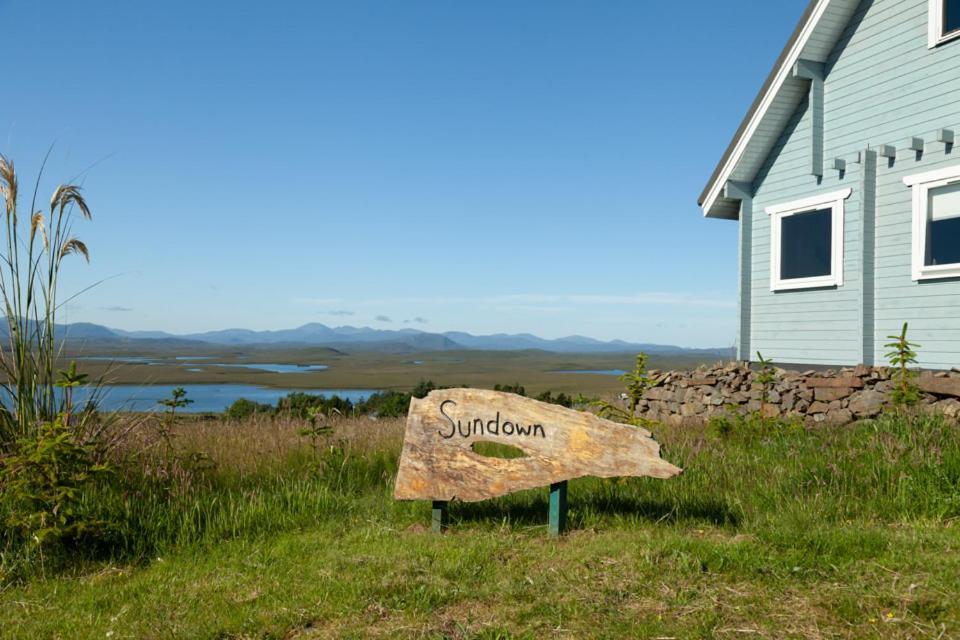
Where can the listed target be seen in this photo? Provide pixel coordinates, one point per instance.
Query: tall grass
(225, 480)
(219, 480)
(37, 243)
(208, 480)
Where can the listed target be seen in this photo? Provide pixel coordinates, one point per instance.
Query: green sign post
(440, 516)
(558, 508)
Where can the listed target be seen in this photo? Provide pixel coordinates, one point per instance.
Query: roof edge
(765, 90)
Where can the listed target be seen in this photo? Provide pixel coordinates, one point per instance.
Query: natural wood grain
(438, 462)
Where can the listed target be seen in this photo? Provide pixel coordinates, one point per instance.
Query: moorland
(536, 370)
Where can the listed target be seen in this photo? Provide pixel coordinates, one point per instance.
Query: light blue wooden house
(845, 180)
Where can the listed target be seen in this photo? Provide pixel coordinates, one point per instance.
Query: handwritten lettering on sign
(478, 427)
(439, 462)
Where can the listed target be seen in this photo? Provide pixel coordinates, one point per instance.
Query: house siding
(812, 326)
(883, 86)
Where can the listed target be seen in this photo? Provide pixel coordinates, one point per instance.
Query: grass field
(771, 532)
(536, 370)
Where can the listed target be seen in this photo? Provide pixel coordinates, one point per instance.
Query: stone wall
(818, 397)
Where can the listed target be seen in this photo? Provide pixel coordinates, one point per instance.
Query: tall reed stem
(36, 246)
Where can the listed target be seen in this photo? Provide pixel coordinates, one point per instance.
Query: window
(944, 21)
(806, 245)
(806, 242)
(936, 223)
(951, 16)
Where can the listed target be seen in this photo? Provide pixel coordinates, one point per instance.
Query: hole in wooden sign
(497, 450)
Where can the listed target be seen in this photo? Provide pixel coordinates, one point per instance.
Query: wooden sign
(439, 462)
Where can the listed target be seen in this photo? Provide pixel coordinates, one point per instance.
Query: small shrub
(68, 380)
(723, 426)
(242, 408)
(751, 426)
(321, 427)
(638, 382)
(423, 388)
(177, 400)
(766, 377)
(561, 399)
(902, 356)
(42, 482)
(585, 401)
(300, 405)
(515, 388)
(387, 404)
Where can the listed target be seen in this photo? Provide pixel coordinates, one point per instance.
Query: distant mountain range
(368, 339)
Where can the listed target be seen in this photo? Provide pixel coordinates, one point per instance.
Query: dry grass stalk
(30, 265)
(248, 446)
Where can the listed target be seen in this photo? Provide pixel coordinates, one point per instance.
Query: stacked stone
(818, 397)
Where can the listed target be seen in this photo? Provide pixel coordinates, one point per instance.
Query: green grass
(850, 533)
(358, 578)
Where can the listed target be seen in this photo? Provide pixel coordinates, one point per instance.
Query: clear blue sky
(481, 166)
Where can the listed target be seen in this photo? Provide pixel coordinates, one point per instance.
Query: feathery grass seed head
(36, 224)
(67, 194)
(8, 184)
(74, 245)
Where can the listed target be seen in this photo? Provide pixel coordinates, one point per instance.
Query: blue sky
(479, 166)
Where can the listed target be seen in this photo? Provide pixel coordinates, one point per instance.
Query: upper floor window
(944, 21)
(936, 223)
(951, 16)
(806, 239)
(806, 242)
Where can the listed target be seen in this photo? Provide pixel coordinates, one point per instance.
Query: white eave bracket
(734, 190)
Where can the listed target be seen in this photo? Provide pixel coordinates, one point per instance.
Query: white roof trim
(783, 73)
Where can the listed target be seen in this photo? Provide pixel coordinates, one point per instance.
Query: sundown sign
(440, 461)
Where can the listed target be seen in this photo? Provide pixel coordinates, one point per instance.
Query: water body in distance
(206, 397)
(205, 360)
(120, 359)
(276, 368)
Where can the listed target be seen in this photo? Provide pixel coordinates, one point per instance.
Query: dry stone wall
(818, 397)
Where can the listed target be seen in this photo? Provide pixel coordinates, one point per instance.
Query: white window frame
(833, 201)
(921, 184)
(936, 35)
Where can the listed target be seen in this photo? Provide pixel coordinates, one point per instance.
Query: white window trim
(833, 201)
(936, 36)
(922, 183)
